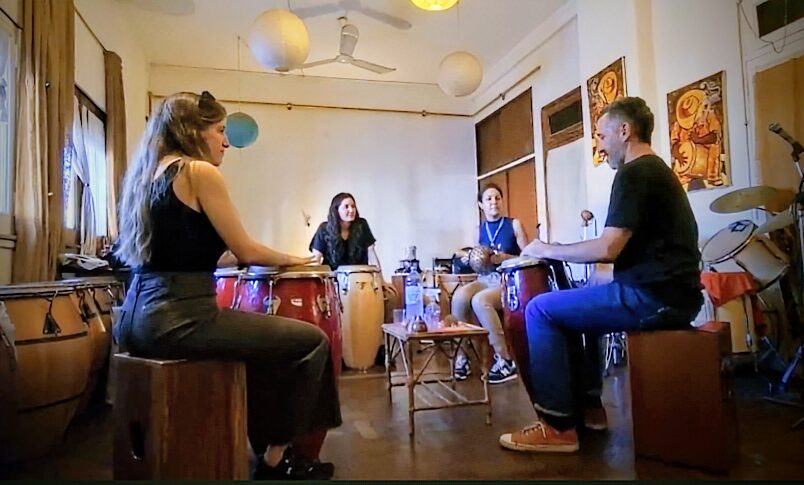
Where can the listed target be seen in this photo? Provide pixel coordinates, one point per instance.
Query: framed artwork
(698, 136)
(603, 88)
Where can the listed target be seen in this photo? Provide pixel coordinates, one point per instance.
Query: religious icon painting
(698, 135)
(603, 88)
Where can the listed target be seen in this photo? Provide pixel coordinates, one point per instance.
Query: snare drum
(226, 282)
(54, 355)
(363, 312)
(754, 253)
(523, 279)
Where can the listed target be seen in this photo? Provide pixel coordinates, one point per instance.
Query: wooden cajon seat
(180, 419)
(682, 396)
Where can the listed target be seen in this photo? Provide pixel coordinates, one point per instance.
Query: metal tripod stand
(798, 208)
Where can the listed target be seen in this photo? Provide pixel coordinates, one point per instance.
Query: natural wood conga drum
(54, 356)
(361, 294)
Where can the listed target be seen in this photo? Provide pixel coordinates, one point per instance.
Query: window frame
(7, 200)
(72, 236)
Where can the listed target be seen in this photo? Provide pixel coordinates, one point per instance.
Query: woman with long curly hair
(176, 220)
(345, 238)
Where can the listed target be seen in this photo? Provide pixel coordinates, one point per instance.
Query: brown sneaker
(540, 436)
(595, 418)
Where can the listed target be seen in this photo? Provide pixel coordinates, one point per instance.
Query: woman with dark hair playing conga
(504, 238)
(176, 220)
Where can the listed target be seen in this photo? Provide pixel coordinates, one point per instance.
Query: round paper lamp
(460, 74)
(279, 40)
(241, 129)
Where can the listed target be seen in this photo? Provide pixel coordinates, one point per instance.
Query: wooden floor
(373, 442)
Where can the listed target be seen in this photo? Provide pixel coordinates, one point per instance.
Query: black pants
(291, 384)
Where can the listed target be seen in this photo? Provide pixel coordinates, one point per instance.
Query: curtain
(81, 166)
(116, 153)
(44, 121)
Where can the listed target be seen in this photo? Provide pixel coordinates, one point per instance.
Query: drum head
(43, 290)
(230, 272)
(305, 271)
(261, 271)
(520, 262)
(357, 268)
(727, 241)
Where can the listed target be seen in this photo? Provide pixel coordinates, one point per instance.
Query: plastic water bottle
(432, 313)
(414, 296)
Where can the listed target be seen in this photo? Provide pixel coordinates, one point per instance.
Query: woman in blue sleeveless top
(506, 237)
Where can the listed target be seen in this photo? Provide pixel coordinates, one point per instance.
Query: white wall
(107, 20)
(90, 71)
(553, 48)
(678, 35)
(412, 176)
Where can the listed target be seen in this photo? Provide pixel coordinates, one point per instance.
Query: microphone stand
(789, 372)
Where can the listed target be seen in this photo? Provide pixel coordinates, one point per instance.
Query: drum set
(743, 246)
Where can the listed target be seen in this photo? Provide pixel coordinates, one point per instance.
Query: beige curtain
(116, 153)
(44, 121)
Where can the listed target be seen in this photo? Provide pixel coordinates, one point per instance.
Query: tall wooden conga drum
(361, 295)
(522, 279)
(306, 293)
(54, 354)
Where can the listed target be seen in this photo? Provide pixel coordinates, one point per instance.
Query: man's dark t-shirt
(353, 251)
(662, 255)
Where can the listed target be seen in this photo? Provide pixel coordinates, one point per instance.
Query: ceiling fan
(352, 6)
(349, 36)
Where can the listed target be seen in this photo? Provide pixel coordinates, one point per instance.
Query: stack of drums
(305, 293)
(363, 312)
(48, 358)
(95, 297)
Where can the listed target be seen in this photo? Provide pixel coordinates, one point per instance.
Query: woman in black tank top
(176, 220)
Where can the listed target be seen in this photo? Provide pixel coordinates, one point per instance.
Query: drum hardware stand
(798, 206)
(615, 348)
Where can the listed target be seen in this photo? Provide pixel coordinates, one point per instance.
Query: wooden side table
(437, 385)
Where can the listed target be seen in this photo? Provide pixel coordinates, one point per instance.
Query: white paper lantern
(460, 74)
(279, 40)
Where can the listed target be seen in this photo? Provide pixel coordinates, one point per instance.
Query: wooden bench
(682, 396)
(179, 420)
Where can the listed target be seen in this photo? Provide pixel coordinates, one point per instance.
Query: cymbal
(744, 199)
(780, 220)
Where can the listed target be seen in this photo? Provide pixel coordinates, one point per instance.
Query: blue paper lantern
(241, 129)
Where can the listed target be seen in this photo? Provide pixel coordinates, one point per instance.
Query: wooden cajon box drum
(682, 396)
(179, 420)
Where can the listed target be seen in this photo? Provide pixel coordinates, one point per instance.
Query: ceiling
(204, 33)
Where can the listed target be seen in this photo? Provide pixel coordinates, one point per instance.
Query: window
(8, 81)
(85, 171)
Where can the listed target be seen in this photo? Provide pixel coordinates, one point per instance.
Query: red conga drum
(306, 293)
(523, 278)
(226, 282)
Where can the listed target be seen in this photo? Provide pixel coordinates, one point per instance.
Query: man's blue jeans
(555, 321)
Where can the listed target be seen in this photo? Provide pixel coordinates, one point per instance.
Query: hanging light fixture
(434, 5)
(460, 74)
(279, 40)
(241, 128)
